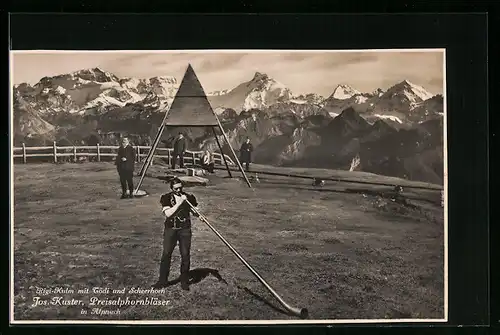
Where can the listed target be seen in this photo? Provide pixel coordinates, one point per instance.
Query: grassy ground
(343, 253)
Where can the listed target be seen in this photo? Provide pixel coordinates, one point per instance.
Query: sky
(303, 72)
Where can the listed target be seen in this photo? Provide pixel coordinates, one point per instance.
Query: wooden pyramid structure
(190, 108)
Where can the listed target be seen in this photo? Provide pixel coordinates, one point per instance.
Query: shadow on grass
(351, 191)
(197, 275)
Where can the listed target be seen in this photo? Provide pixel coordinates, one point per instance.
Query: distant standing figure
(179, 149)
(125, 160)
(208, 161)
(246, 153)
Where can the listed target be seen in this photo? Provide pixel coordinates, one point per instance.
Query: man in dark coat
(177, 228)
(180, 147)
(246, 153)
(125, 160)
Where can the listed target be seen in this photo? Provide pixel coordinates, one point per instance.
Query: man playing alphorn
(177, 228)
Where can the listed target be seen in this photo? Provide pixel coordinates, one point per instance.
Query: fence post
(152, 156)
(168, 157)
(138, 154)
(74, 153)
(24, 153)
(194, 158)
(98, 153)
(55, 152)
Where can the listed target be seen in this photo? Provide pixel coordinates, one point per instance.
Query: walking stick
(300, 312)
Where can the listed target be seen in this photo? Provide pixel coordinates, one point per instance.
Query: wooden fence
(99, 151)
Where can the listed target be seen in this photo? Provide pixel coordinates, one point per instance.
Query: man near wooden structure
(208, 161)
(125, 160)
(191, 108)
(179, 150)
(246, 153)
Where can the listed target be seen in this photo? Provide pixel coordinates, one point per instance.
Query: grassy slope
(341, 255)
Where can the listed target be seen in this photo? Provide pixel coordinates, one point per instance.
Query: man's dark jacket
(180, 145)
(181, 218)
(246, 152)
(129, 153)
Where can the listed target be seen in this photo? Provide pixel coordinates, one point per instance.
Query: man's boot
(159, 284)
(185, 282)
(185, 286)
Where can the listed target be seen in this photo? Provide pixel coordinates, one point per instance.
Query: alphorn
(300, 312)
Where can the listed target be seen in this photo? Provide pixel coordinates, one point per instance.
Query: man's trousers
(170, 239)
(127, 179)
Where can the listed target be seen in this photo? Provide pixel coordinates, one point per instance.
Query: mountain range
(395, 131)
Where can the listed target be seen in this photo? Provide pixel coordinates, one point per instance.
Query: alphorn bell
(300, 312)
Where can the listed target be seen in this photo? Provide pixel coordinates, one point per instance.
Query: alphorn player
(177, 229)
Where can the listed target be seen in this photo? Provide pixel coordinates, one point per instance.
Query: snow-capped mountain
(93, 91)
(221, 92)
(401, 103)
(378, 92)
(430, 108)
(260, 92)
(96, 91)
(310, 98)
(403, 96)
(344, 91)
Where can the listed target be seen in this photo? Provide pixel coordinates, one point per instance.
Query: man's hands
(183, 198)
(124, 159)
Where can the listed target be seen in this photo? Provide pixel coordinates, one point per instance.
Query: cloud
(332, 60)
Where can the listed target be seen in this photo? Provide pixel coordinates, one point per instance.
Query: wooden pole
(98, 153)
(222, 153)
(24, 153)
(74, 154)
(55, 152)
(234, 154)
(138, 154)
(149, 158)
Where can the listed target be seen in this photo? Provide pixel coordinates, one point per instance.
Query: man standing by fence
(246, 154)
(179, 149)
(125, 163)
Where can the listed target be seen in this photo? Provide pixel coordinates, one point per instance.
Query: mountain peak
(163, 79)
(260, 76)
(348, 122)
(344, 91)
(411, 91)
(95, 74)
(378, 92)
(381, 124)
(349, 112)
(90, 70)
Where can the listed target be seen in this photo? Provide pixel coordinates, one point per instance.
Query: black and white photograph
(228, 186)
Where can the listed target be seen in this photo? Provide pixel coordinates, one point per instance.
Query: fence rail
(190, 157)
